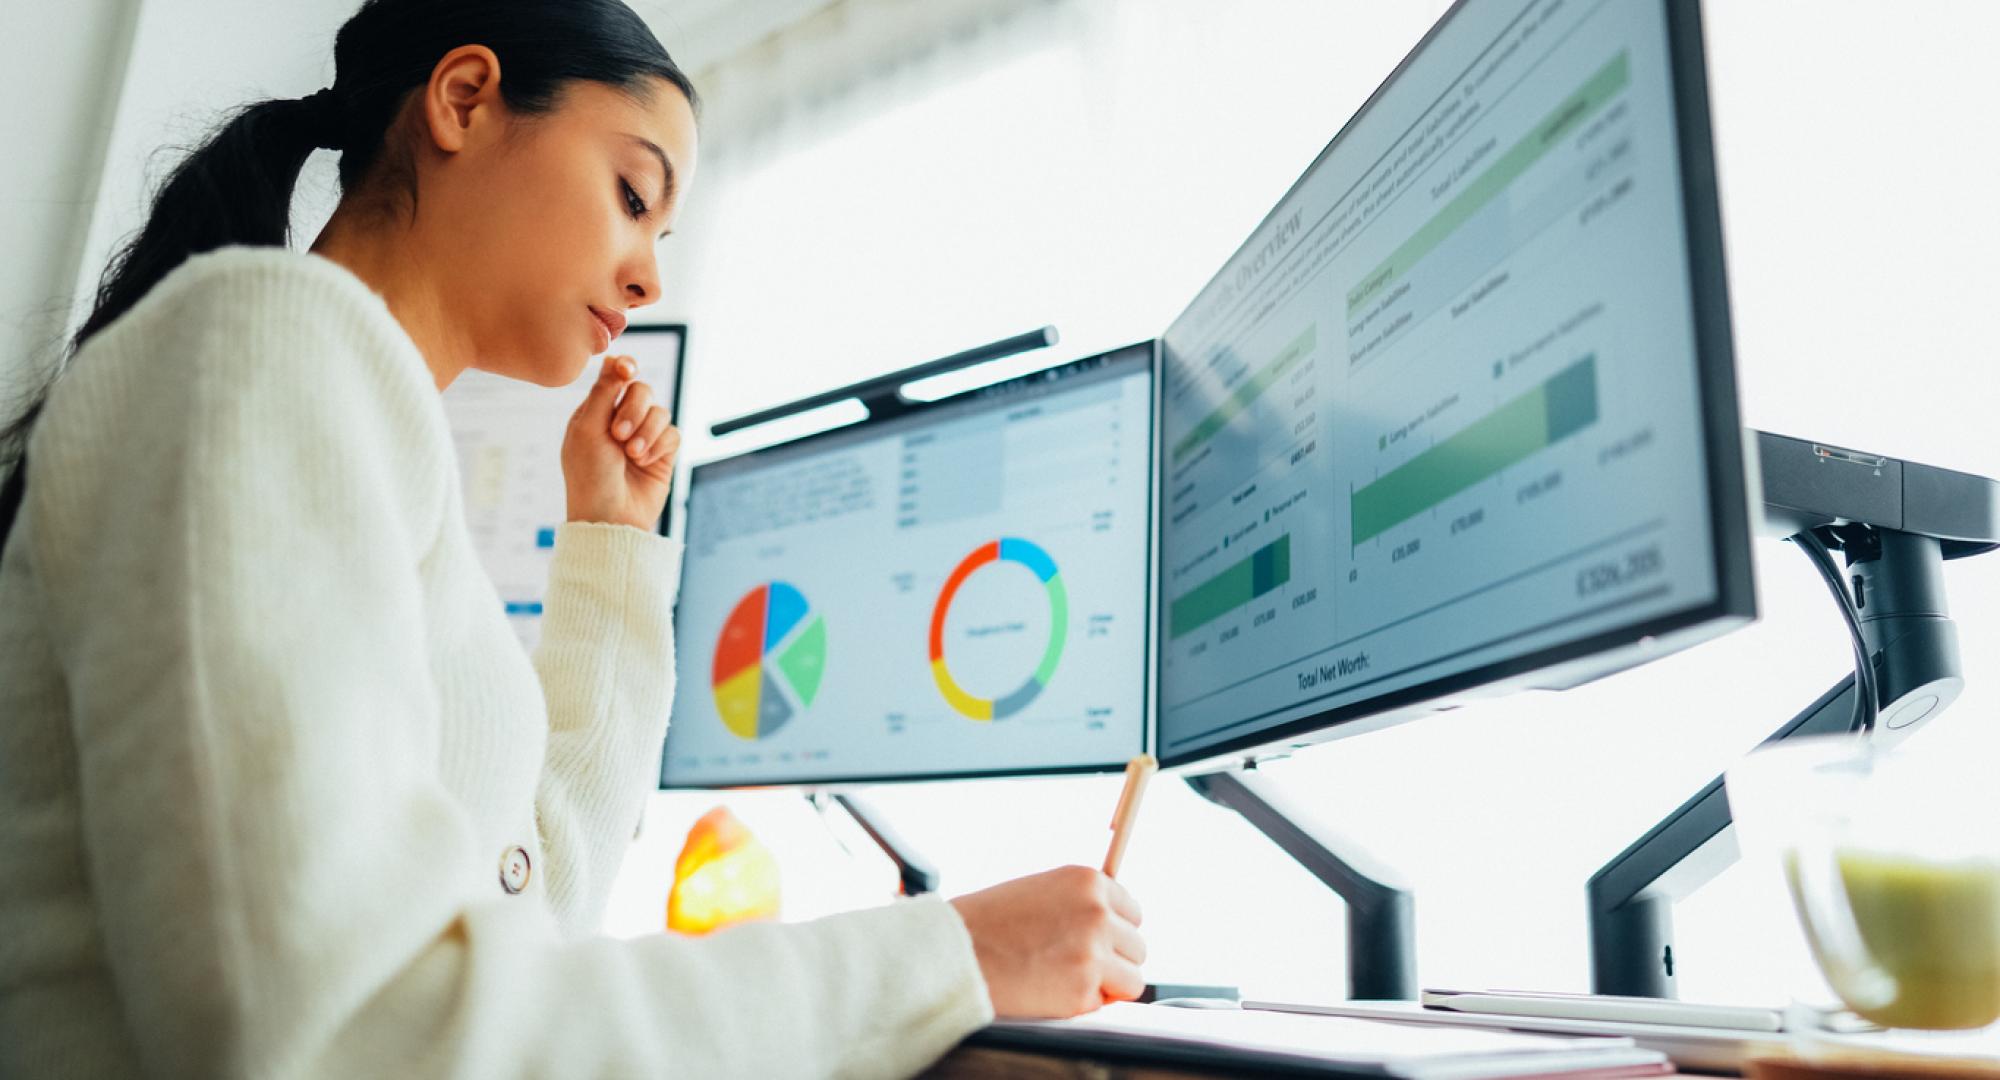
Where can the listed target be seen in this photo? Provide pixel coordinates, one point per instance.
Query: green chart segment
(1247, 391)
(1263, 571)
(1551, 412)
(1566, 118)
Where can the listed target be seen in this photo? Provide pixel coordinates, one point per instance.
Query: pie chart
(768, 661)
(1004, 550)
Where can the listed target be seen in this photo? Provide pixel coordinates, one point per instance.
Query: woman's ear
(462, 97)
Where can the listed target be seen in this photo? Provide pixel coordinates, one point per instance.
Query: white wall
(192, 63)
(102, 96)
(61, 67)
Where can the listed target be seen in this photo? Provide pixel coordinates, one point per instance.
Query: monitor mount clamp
(1895, 523)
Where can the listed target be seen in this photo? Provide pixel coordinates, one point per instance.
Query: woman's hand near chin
(618, 454)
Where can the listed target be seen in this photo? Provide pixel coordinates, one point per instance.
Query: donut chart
(1025, 553)
(769, 661)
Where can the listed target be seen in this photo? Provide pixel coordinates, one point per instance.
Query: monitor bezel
(1148, 364)
(1734, 603)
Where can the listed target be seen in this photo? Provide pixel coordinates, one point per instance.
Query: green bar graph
(1264, 570)
(1551, 412)
(1563, 120)
(1246, 392)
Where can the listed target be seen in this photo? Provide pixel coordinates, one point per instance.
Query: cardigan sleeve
(606, 660)
(230, 506)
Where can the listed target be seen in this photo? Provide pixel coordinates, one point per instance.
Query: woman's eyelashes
(633, 204)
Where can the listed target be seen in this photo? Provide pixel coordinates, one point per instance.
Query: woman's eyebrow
(666, 167)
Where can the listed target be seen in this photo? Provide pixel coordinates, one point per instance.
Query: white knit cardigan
(266, 740)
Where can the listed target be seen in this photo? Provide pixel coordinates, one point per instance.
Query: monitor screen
(509, 438)
(958, 590)
(1461, 411)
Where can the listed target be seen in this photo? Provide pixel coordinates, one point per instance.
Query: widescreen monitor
(1460, 414)
(957, 590)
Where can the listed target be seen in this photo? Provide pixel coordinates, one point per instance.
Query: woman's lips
(610, 322)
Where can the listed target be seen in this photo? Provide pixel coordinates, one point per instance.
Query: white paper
(1404, 1050)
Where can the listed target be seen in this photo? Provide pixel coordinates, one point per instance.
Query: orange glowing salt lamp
(723, 876)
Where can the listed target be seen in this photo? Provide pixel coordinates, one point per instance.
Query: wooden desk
(987, 1063)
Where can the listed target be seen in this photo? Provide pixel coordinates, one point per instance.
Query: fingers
(644, 428)
(1121, 902)
(631, 412)
(1122, 980)
(648, 443)
(611, 379)
(1126, 941)
(1122, 948)
(665, 446)
(1057, 943)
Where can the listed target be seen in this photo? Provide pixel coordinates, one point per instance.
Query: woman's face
(555, 219)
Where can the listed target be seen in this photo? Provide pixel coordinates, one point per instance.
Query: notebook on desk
(1288, 1044)
(1705, 1049)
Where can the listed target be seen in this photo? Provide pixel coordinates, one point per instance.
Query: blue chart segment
(787, 607)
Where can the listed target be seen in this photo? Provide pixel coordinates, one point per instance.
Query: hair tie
(325, 115)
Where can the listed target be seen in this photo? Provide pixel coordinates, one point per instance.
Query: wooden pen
(1137, 772)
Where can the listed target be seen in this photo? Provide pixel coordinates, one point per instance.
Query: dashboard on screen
(1462, 407)
(960, 590)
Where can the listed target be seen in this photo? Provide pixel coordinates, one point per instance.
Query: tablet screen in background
(509, 439)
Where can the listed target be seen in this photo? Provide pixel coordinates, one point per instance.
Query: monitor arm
(1896, 523)
(1381, 914)
(915, 874)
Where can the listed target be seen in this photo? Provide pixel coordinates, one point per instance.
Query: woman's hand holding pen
(618, 454)
(1056, 944)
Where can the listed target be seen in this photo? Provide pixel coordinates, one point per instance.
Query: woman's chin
(567, 375)
(552, 376)
(558, 365)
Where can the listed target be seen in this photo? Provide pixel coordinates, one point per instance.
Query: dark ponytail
(237, 187)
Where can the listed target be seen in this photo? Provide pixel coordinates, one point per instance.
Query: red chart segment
(769, 660)
(742, 641)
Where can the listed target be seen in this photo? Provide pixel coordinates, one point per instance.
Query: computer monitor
(1460, 414)
(509, 436)
(958, 590)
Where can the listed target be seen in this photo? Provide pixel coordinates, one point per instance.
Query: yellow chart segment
(737, 698)
(976, 708)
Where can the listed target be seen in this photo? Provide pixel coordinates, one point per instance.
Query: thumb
(603, 397)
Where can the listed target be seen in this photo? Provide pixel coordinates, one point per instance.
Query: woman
(278, 795)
